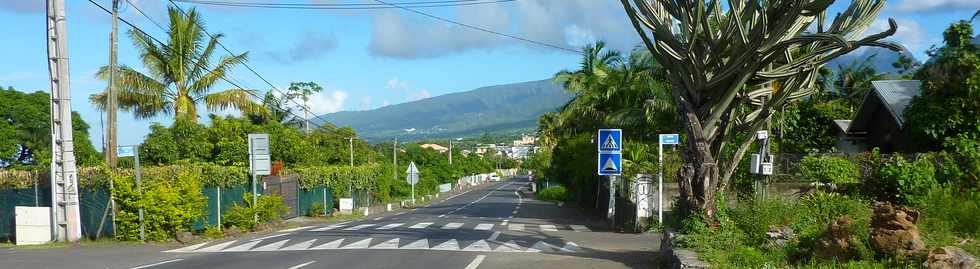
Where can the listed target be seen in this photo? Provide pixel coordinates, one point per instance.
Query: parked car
(494, 177)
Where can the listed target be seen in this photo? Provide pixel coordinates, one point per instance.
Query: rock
(778, 236)
(185, 237)
(838, 243)
(950, 258)
(893, 231)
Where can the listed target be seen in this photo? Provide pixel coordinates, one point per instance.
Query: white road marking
(243, 247)
(390, 226)
(331, 245)
(390, 244)
(548, 227)
(452, 225)
(359, 244)
(271, 236)
(519, 199)
(302, 264)
(504, 222)
(448, 245)
(442, 216)
(420, 244)
(159, 263)
(301, 245)
(494, 236)
(188, 248)
(580, 228)
(271, 247)
(477, 200)
(476, 262)
(570, 247)
(514, 212)
(331, 226)
(358, 227)
(516, 227)
(420, 225)
(484, 226)
(297, 229)
(378, 218)
(217, 247)
(510, 246)
(541, 247)
(481, 245)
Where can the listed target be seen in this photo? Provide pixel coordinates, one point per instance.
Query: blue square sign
(610, 164)
(670, 139)
(610, 140)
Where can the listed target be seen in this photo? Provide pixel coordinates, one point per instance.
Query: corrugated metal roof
(896, 95)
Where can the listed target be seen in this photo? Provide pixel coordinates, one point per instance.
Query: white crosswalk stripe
(421, 225)
(549, 228)
(358, 227)
(484, 226)
(482, 245)
(515, 227)
(390, 226)
(330, 227)
(580, 228)
(452, 225)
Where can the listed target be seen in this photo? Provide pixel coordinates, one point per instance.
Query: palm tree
(179, 76)
(853, 81)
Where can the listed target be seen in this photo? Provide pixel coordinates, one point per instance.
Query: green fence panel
(10, 198)
(319, 195)
(95, 213)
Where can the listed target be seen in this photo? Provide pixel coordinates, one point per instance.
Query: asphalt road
(487, 227)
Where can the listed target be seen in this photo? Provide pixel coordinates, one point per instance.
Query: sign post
(412, 175)
(610, 162)
(258, 163)
(130, 151)
(665, 139)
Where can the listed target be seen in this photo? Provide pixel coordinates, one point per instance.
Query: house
(435, 147)
(526, 140)
(879, 121)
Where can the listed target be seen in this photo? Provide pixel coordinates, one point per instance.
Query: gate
(286, 187)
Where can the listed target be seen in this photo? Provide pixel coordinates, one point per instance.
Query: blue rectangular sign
(610, 140)
(610, 164)
(126, 151)
(670, 139)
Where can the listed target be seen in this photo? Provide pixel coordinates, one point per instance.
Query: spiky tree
(731, 64)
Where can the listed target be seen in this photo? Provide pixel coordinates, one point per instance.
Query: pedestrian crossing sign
(610, 140)
(610, 164)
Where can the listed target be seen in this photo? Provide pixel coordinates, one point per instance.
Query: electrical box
(756, 159)
(766, 169)
(762, 134)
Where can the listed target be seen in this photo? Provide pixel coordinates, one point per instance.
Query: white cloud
(327, 102)
(567, 23)
(310, 46)
(385, 103)
(365, 103)
(397, 84)
(422, 94)
(937, 5)
(910, 34)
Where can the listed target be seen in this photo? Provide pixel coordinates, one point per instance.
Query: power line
(147, 16)
(134, 27)
(478, 28)
(358, 6)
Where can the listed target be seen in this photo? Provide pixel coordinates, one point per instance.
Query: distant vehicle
(495, 177)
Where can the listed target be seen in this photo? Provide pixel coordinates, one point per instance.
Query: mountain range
(500, 109)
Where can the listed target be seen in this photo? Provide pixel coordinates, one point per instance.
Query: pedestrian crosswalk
(386, 243)
(509, 226)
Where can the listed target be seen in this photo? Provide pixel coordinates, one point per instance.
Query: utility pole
(64, 182)
(306, 113)
(450, 152)
(394, 158)
(112, 92)
(349, 184)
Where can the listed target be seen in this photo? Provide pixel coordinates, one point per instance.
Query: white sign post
(258, 163)
(412, 175)
(131, 151)
(665, 139)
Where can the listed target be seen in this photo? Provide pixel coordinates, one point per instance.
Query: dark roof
(894, 95)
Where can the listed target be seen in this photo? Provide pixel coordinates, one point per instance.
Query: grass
(554, 193)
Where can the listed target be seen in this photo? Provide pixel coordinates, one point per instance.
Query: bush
(959, 163)
(905, 181)
(829, 169)
(170, 206)
(269, 208)
(756, 216)
(316, 210)
(554, 193)
(948, 216)
(818, 210)
(213, 232)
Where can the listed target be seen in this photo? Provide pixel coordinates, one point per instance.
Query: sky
(367, 59)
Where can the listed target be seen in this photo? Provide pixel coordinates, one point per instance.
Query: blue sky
(368, 59)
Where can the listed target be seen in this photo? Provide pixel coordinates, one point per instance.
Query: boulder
(778, 236)
(950, 258)
(185, 237)
(893, 231)
(839, 242)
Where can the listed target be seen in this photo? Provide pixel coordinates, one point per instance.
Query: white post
(660, 182)
(65, 220)
(611, 214)
(219, 208)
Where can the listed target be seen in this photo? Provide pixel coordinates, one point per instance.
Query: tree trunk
(697, 179)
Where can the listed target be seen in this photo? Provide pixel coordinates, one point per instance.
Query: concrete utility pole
(450, 152)
(64, 183)
(112, 93)
(394, 158)
(350, 188)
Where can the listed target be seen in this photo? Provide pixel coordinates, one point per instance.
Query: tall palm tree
(180, 74)
(853, 81)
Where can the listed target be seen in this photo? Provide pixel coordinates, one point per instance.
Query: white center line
(169, 261)
(476, 262)
(358, 227)
(302, 264)
(494, 236)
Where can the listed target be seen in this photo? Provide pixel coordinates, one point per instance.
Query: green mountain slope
(495, 109)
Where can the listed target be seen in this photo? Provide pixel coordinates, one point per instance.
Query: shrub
(755, 216)
(829, 169)
(959, 163)
(948, 216)
(316, 210)
(905, 181)
(169, 206)
(819, 209)
(269, 208)
(213, 232)
(554, 193)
